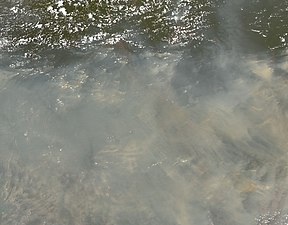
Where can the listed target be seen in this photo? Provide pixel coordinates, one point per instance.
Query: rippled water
(143, 112)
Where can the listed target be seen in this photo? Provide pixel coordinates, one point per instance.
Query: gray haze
(154, 138)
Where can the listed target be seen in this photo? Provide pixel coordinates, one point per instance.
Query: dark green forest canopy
(269, 20)
(141, 23)
(50, 24)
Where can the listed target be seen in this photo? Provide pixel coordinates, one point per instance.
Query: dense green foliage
(269, 20)
(141, 23)
(49, 24)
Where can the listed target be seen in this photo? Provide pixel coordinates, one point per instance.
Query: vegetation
(64, 23)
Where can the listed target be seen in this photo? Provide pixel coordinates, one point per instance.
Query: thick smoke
(180, 137)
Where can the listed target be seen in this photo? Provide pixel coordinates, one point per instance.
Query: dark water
(143, 112)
